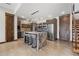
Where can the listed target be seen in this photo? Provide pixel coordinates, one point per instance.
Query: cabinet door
(64, 27)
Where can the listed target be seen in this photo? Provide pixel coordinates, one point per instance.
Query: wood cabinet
(41, 27)
(64, 27)
(26, 27)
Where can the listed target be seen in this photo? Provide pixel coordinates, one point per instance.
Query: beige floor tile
(53, 48)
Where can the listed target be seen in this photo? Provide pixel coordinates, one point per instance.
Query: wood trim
(51, 21)
(9, 14)
(65, 15)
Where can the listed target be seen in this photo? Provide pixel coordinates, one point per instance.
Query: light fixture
(35, 12)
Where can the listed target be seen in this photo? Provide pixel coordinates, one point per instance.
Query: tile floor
(53, 48)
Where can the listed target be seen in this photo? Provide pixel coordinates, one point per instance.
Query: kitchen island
(41, 38)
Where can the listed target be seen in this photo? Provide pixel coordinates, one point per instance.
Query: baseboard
(2, 42)
(65, 40)
(57, 38)
(8, 42)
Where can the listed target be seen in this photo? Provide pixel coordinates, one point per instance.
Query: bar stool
(30, 39)
(26, 38)
(34, 44)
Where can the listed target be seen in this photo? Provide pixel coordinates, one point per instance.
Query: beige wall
(2, 26)
(15, 27)
(70, 27)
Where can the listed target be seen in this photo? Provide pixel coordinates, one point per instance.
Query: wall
(70, 27)
(57, 27)
(15, 27)
(76, 6)
(2, 26)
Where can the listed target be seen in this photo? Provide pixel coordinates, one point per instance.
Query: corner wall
(15, 27)
(70, 27)
(2, 26)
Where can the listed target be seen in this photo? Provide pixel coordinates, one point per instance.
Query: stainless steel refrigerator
(50, 28)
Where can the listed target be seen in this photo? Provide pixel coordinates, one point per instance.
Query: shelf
(75, 30)
(74, 41)
(75, 50)
(75, 45)
(26, 25)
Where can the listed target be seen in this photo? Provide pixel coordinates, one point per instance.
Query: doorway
(9, 23)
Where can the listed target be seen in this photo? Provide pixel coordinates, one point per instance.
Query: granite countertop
(35, 32)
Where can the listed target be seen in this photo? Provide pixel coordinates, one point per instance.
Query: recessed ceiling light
(22, 16)
(63, 12)
(8, 3)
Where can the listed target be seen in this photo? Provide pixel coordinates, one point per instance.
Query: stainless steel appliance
(50, 28)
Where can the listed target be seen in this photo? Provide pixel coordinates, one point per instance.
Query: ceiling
(11, 6)
(45, 9)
